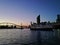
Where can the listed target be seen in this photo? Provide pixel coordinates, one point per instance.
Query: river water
(29, 37)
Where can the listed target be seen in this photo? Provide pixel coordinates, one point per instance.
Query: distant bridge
(9, 24)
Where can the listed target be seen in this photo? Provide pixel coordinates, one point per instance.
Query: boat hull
(43, 29)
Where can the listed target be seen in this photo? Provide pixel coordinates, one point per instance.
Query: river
(29, 37)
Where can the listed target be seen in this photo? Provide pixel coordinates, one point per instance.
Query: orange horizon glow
(20, 23)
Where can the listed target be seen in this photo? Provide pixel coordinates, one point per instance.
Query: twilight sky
(25, 11)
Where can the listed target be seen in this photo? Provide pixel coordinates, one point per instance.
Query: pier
(56, 26)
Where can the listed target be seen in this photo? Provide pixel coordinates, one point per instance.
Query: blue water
(29, 37)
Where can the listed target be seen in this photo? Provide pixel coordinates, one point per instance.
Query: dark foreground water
(29, 37)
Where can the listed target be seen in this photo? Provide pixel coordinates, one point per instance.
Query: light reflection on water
(28, 37)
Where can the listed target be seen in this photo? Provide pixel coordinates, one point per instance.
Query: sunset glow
(25, 11)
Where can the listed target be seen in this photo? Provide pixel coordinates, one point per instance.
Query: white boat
(41, 27)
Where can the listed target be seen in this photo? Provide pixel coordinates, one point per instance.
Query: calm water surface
(29, 37)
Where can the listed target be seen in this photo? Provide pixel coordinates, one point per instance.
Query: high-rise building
(58, 18)
(38, 19)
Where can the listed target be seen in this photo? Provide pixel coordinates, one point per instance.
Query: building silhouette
(38, 19)
(58, 18)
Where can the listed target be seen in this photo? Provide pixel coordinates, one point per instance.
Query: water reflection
(56, 39)
(41, 37)
(29, 37)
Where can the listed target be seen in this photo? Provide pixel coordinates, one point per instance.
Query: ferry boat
(41, 27)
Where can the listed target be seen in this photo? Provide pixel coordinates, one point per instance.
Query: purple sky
(25, 11)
